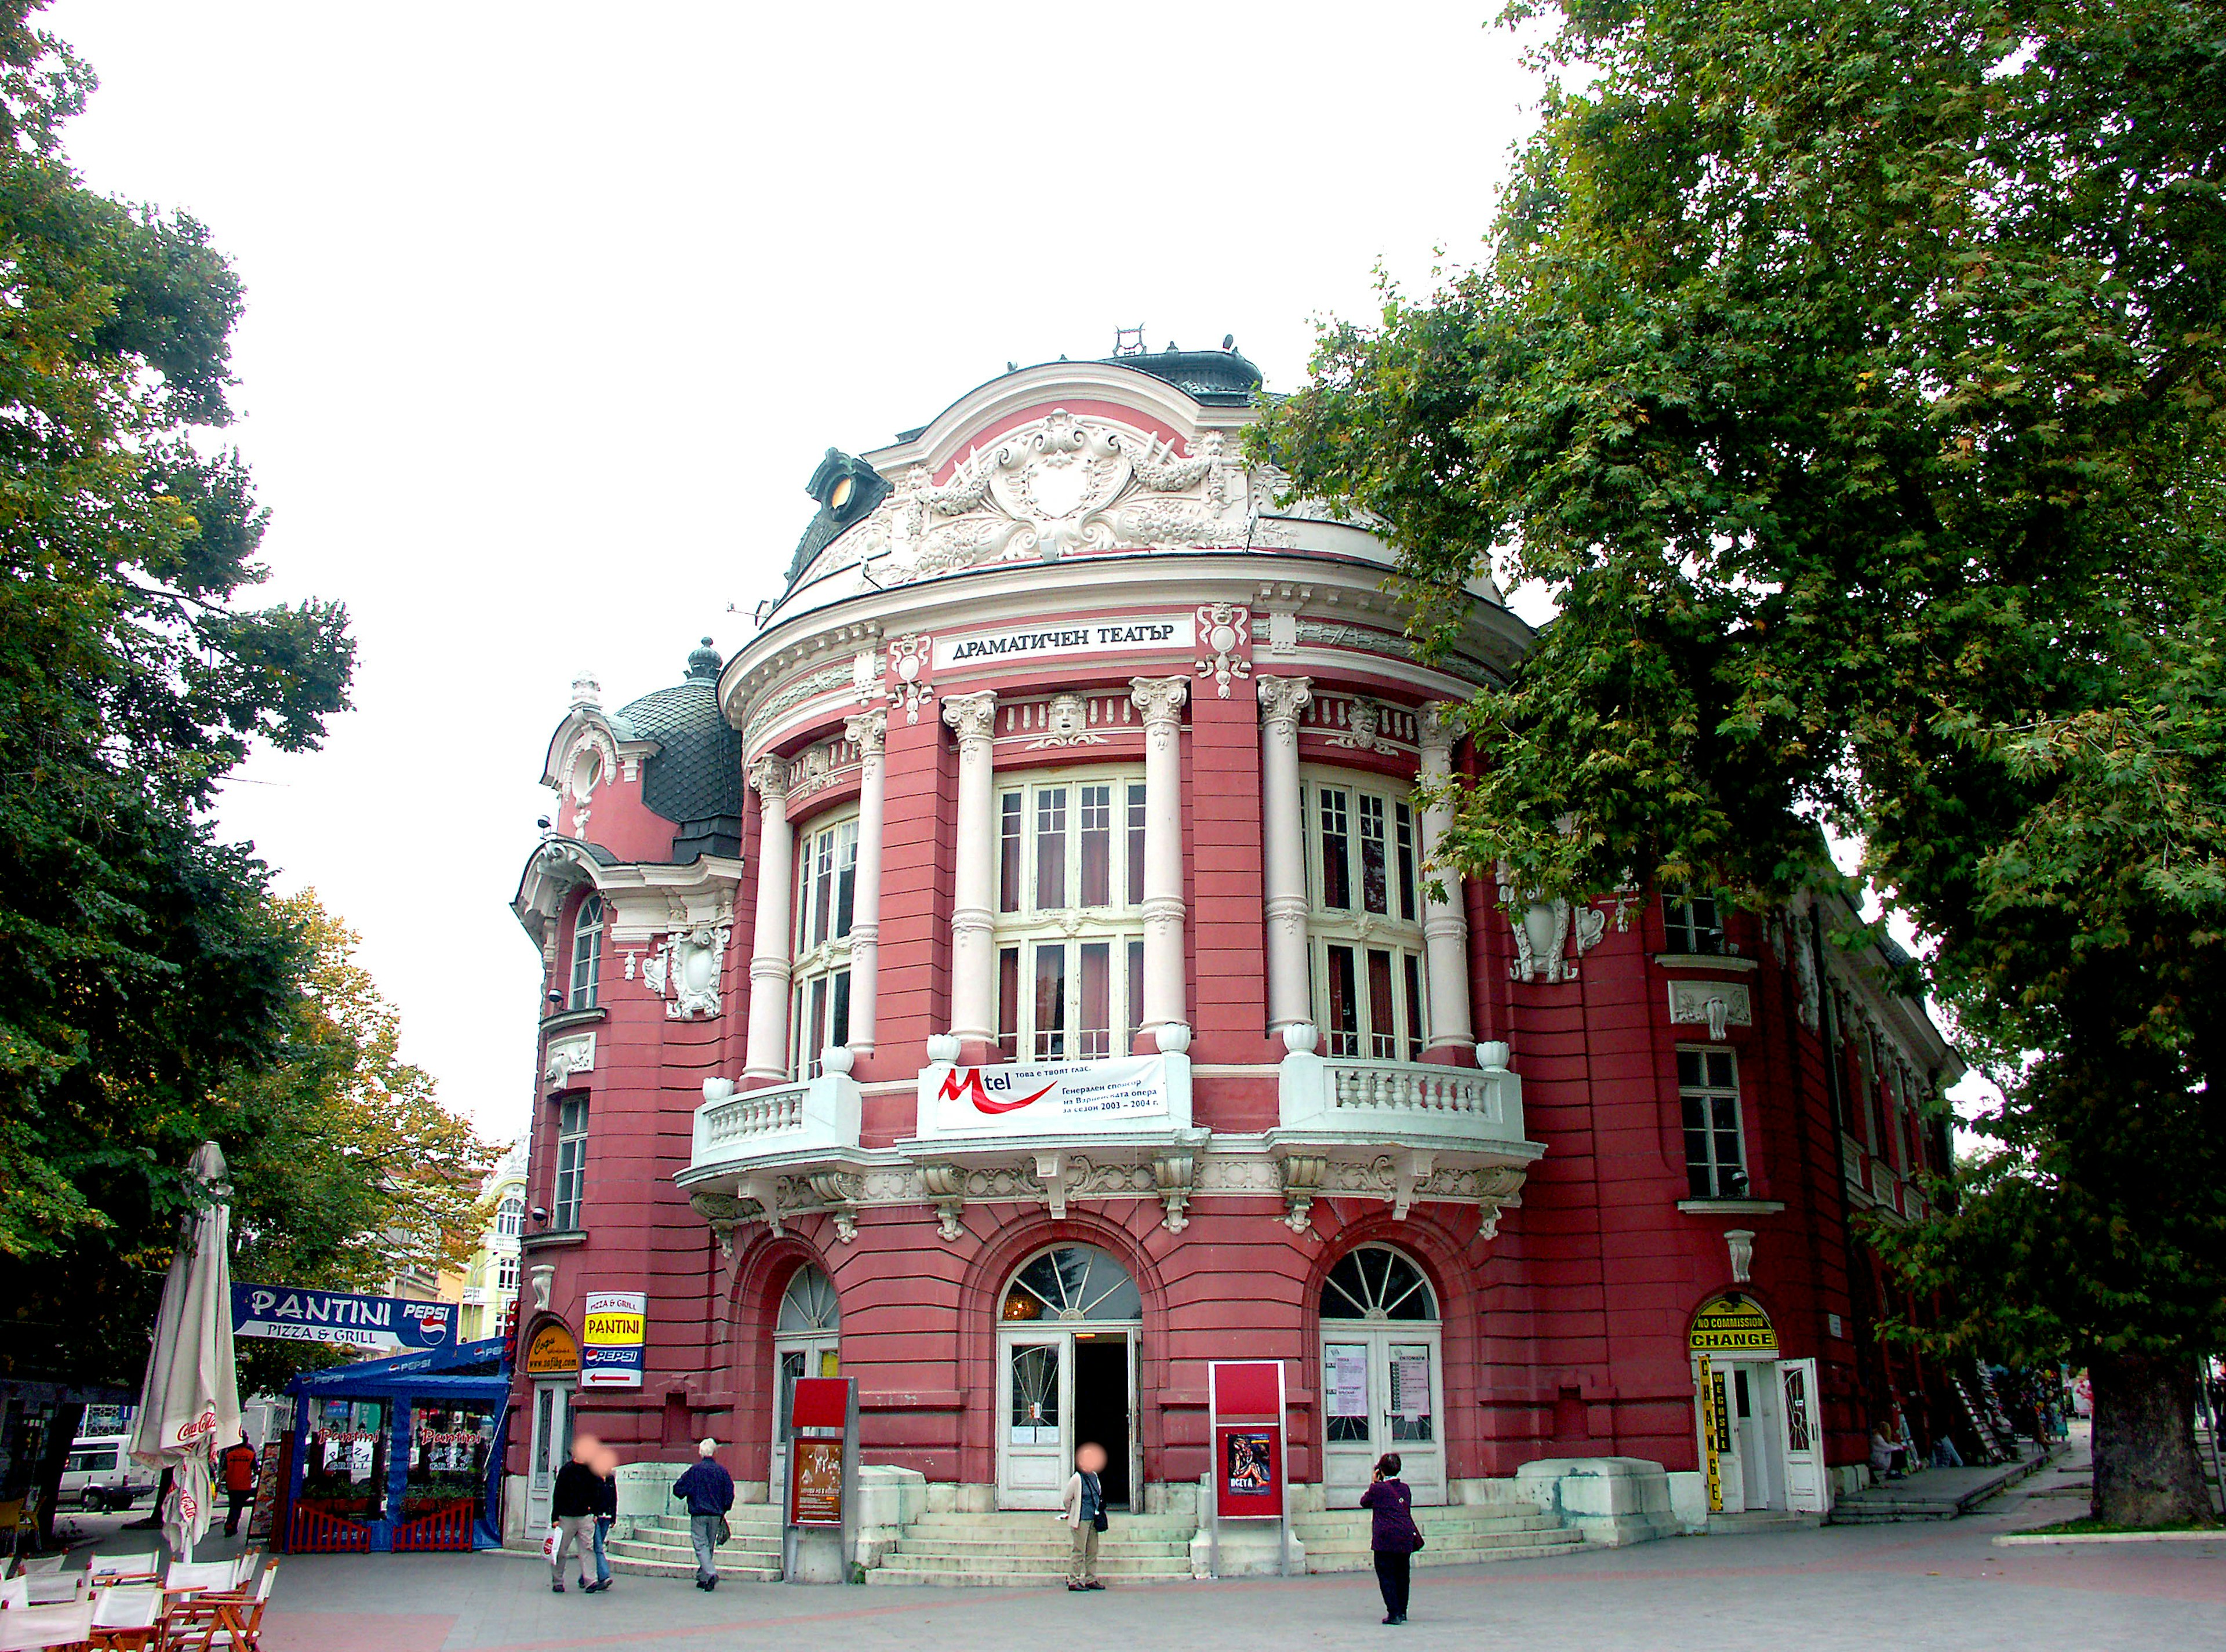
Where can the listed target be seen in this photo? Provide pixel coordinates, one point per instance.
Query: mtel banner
(1146, 1093)
(379, 1325)
(615, 1326)
(1148, 633)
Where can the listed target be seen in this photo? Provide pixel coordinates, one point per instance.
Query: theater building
(1018, 976)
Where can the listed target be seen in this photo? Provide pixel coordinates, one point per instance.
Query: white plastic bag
(549, 1543)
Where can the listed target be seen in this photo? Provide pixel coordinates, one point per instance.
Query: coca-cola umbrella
(191, 1396)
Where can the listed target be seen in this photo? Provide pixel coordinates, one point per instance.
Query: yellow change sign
(1734, 1325)
(552, 1352)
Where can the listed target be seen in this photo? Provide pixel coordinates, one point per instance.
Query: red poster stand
(822, 1465)
(1245, 1421)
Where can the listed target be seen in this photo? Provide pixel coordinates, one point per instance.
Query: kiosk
(1245, 1401)
(823, 1481)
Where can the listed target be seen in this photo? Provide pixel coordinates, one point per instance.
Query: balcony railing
(1401, 1101)
(735, 1130)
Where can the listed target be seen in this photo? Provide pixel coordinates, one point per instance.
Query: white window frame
(568, 1196)
(1683, 930)
(1029, 937)
(1362, 800)
(1719, 1185)
(587, 954)
(826, 910)
(510, 1214)
(505, 1272)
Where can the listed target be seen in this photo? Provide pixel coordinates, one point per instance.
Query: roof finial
(704, 663)
(586, 692)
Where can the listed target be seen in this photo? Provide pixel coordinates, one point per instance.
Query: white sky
(553, 308)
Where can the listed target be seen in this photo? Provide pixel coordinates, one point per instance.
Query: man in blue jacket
(710, 1490)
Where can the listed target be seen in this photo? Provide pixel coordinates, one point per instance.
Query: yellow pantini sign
(1734, 1325)
(552, 1352)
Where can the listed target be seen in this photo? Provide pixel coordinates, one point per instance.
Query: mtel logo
(967, 1081)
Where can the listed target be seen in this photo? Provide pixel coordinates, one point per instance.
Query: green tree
(1851, 374)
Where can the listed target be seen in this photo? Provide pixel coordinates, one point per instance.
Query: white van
(101, 1474)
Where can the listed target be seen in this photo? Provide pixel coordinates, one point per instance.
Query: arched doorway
(1381, 1388)
(1066, 1373)
(1762, 1438)
(806, 1342)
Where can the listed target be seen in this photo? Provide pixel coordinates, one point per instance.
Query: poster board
(1245, 1420)
(823, 1474)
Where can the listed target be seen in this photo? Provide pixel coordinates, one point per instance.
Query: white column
(973, 895)
(1165, 996)
(1445, 928)
(766, 1056)
(869, 733)
(1283, 850)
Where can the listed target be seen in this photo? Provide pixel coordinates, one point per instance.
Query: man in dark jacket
(709, 1490)
(572, 1507)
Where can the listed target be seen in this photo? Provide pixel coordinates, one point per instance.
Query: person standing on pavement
(1392, 1535)
(236, 1466)
(709, 1492)
(572, 1508)
(605, 1467)
(1085, 1515)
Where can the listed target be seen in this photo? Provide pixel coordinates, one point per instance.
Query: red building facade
(1017, 977)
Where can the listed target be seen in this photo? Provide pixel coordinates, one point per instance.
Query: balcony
(789, 1124)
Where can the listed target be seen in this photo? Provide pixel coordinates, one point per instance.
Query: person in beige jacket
(1085, 1507)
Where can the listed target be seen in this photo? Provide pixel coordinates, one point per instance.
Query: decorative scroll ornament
(1066, 722)
(1721, 1004)
(971, 717)
(813, 768)
(684, 971)
(1544, 931)
(1224, 628)
(568, 1057)
(908, 660)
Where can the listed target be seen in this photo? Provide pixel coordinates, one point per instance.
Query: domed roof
(697, 777)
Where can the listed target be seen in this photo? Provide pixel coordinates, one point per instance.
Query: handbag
(1097, 1520)
(726, 1532)
(549, 1543)
(1418, 1541)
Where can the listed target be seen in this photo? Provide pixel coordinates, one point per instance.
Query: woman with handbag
(1393, 1536)
(1085, 1515)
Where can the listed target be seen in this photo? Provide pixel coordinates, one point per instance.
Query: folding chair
(106, 1569)
(127, 1620)
(34, 1629)
(54, 1588)
(14, 1591)
(196, 1577)
(196, 1622)
(46, 1562)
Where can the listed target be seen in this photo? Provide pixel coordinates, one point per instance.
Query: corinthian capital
(973, 715)
(868, 732)
(1439, 722)
(1160, 698)
(769, 776)
(1282, 698)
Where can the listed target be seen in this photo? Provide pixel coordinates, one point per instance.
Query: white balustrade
(735, 1129)
(1445, 1091)
(1394, 1101)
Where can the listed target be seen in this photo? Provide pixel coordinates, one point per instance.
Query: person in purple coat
(1393, 1536)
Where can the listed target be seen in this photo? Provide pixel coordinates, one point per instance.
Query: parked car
(101, 1474)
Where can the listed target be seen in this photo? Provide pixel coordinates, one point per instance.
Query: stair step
(1011, 1566)
(1108, 1546)
(1349, 1560)
(1009, 1579)
(742, 1553)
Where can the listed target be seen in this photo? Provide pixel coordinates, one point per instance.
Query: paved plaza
(1912, 1587)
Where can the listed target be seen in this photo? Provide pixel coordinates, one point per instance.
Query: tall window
(1363, 863)
(505, 1273)
(510, 1215)
(571, 1159)
(1707, 1088)
(827, 889)
(1070, 898)
(587, 954)
(1693, 923)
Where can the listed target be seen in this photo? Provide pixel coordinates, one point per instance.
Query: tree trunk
(2146, 1472)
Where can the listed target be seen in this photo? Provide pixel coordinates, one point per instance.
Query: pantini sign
(616, 1326)
(1137, 1091)
(383, 1325)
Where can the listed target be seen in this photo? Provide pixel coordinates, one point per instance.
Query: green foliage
(150, 994)
(1853, 376)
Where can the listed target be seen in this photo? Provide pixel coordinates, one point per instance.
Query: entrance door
(1752, 1471)
(1381, 1386)
(1066, 1343)
(552, 1446)
(806, 1342)
(1808, 1488)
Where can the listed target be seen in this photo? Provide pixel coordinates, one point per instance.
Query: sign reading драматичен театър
(1154, 634)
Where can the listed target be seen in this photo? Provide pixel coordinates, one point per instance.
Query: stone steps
(1456, 1534)
(1110, 1546)
(1029, 1550)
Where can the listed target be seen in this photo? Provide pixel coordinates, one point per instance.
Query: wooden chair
(195, 1622)
(34, 1629)
(54, 1588)
(105, 1570)
(128, 1619)
(45, 1562)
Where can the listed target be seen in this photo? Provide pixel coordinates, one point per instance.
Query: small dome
(704, 664)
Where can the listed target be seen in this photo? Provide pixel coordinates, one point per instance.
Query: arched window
(1069, 915)
(510, 1215)
(1072, 1282)
(1376, 1283)
(827, 883)
(1363, 864)
(587, 954)
(808, 1304)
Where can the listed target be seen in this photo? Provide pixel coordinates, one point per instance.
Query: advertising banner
(815, 1483)
(614, 1332)
(551, 1353)
(374, 1325)
(1020, 1100)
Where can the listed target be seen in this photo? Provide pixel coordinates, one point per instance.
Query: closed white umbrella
(191, 1397)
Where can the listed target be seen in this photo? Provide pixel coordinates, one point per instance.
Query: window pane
(1408, 887)
(838, 1023)
(1008, 860)
(1382, 1031)
(1414, 1007)
(1720, 1068)
(1136, 995)
(1097, 803)
(1346, 1409)
(1411, 1418)
(1375, 895)
(1336, 848)
(1688, 1067)
(1008, 1003)
(1050, 849)
(1135, 846)
(1096, 1032)
(1343, 1003)
(816, 1037)
(823, 886)
(1050, 1003)
(846, 874)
